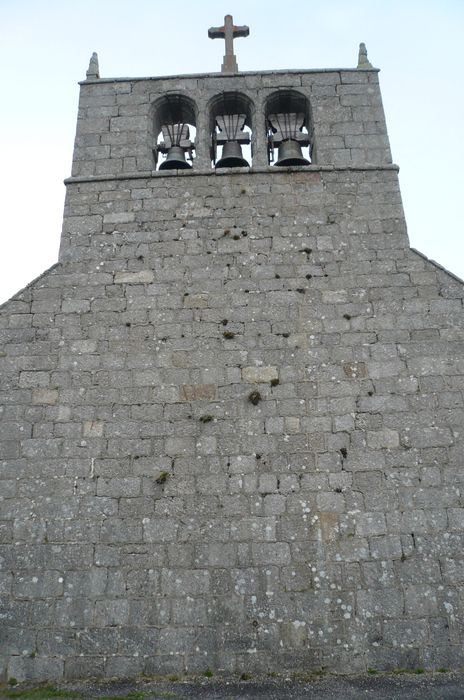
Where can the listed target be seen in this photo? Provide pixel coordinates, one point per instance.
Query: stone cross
(228, 32)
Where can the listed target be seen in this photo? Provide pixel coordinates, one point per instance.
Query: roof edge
(437, 265)
(29, 284)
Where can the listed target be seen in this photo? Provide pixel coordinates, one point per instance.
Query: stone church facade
(231, 432)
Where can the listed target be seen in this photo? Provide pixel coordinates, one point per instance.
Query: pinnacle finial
(363, 61)
(93, 71)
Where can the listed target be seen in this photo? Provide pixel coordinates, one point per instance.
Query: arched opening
(289, 129)
(174, 132)
(230, 125)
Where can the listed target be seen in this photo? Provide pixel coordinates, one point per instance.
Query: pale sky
(46, 46)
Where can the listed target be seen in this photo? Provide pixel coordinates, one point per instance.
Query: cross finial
(228, 32)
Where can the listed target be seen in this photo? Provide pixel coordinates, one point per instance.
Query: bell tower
(142, 127)
(233, 411)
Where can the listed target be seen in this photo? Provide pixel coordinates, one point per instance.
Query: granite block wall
(231, 431)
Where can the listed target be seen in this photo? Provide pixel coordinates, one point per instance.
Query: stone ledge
(144, 175)
(240, 74)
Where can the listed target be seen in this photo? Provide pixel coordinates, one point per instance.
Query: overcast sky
(46, 46)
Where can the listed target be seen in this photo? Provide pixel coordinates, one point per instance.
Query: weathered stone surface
(46, 397)
(197, 392)
(142, 277)
(153, 519)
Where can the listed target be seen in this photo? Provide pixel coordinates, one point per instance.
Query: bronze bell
(232, 156)
(175, 159)
(290, 154)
